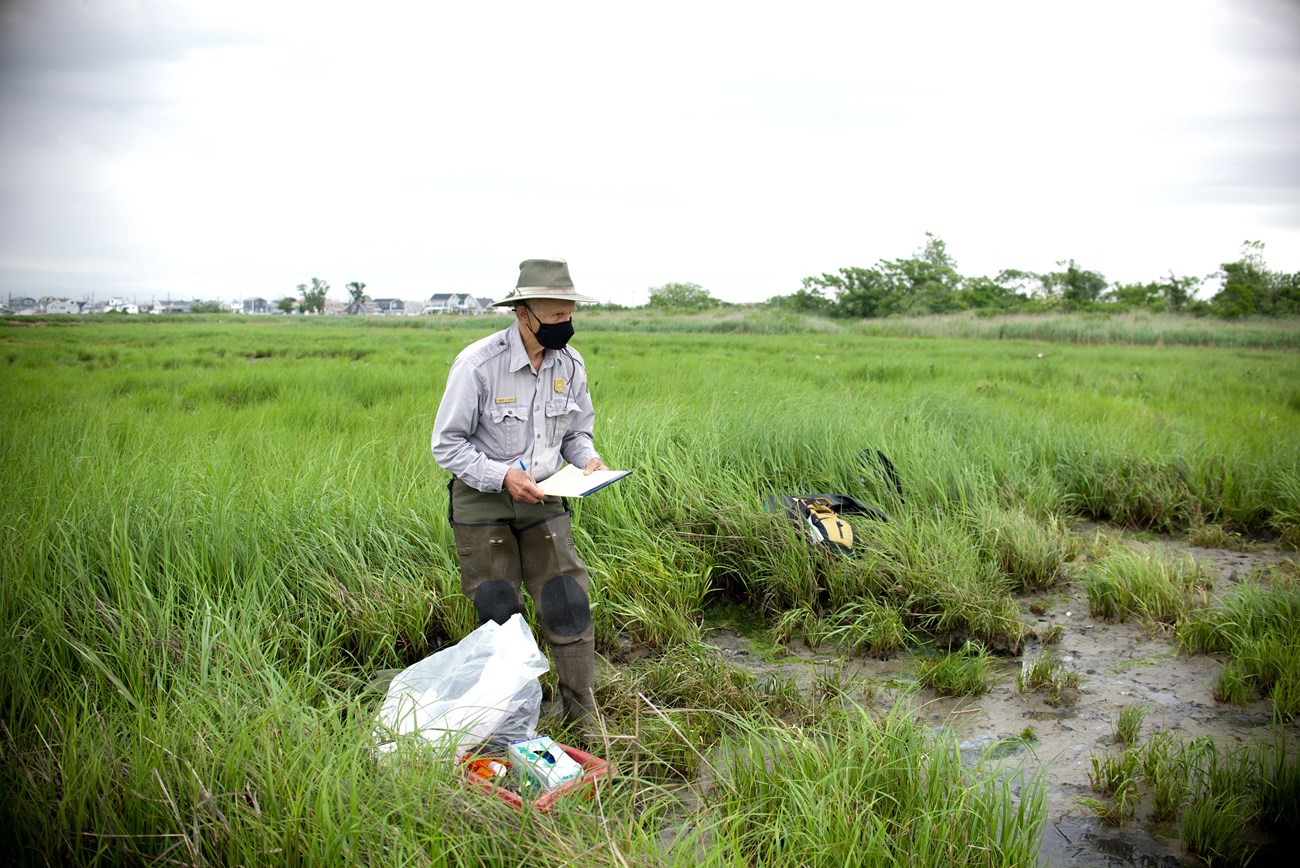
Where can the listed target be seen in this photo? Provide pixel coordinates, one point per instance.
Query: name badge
(509, 400)
(559, 384)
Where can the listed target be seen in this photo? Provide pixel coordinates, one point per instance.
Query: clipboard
(570, 481)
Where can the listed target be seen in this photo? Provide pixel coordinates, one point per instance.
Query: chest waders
(497, 557)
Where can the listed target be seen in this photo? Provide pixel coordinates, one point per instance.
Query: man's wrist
(497, 475)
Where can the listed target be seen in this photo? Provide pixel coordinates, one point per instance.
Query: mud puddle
(1119, 664)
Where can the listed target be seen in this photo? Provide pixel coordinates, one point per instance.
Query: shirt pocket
(510, 420)
(559, 416)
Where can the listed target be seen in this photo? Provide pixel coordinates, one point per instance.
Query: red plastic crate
(594, 770)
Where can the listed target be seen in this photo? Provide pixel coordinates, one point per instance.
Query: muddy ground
(1120, 663)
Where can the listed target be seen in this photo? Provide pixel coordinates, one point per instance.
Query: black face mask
(552, 335)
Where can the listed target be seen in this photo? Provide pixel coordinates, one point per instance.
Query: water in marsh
(1119, 664)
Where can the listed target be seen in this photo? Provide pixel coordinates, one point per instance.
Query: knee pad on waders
(557, 580)
(490, 574)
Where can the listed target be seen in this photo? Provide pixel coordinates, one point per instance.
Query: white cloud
(239, 149)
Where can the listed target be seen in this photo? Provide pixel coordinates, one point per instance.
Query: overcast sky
(236, 149)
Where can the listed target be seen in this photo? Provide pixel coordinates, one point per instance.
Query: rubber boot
(558, 582)
(575, 669)
(490, 574)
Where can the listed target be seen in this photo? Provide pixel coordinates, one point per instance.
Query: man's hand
(593, 464)
(521, 486)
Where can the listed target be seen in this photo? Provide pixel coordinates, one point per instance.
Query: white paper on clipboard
(570, 481)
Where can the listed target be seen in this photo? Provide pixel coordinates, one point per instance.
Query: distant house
(386, 307)
(454, 302)
(61, 305)
(120, 305)
(170, 306)
(256, 305)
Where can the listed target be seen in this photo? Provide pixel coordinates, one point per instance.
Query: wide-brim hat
(544, 278)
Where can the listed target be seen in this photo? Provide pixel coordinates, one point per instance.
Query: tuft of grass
(1129, 724)
(1278, 785)
(1169, 790)
(963, 673)
(1220, 798)
(1212, 829)
(1214, 536)
(1232, 685)
(1047, 673)
(1110, 771)
(695, 695)
(1126, 583)
(942, 583)
(863, 627)
(1029, 552)
(1119, 779)
(1051, 635)
(1257, 624)
(1117, 809)
(834, 684)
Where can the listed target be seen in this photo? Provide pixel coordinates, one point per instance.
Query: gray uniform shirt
(497, 412)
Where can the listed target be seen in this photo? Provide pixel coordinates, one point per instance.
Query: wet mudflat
(1118, 663)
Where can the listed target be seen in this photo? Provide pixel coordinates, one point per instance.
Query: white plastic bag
(484, 688)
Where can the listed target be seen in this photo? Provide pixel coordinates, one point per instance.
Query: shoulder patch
(479, 352)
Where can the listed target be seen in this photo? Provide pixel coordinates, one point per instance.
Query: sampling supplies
(484, 689)
(497, 776)
(541, 765)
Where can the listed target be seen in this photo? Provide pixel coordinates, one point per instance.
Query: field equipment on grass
(819, 515)
(482, 773)
(823, 524)
(541, 764)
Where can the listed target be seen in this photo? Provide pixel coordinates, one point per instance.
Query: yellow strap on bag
(825, 524)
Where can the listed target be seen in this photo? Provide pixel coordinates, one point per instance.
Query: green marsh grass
(1165, 767)
(1047, 673)
(1129, 723)
(1256, 624)
(867, 627)
(866, 790)
(1124, 583)
(1212, 830)
(1219, 798)
(962, 673)
(1031, 552)
(1092, 329)
(1051, 635)
(216, 531)
(1215, 537)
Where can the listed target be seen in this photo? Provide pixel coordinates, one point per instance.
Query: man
(515, 409)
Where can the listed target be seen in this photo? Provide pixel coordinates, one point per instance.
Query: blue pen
(524, 468)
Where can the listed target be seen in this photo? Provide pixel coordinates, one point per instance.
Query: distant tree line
(681, 296)
(929, 283)
(312, 297)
